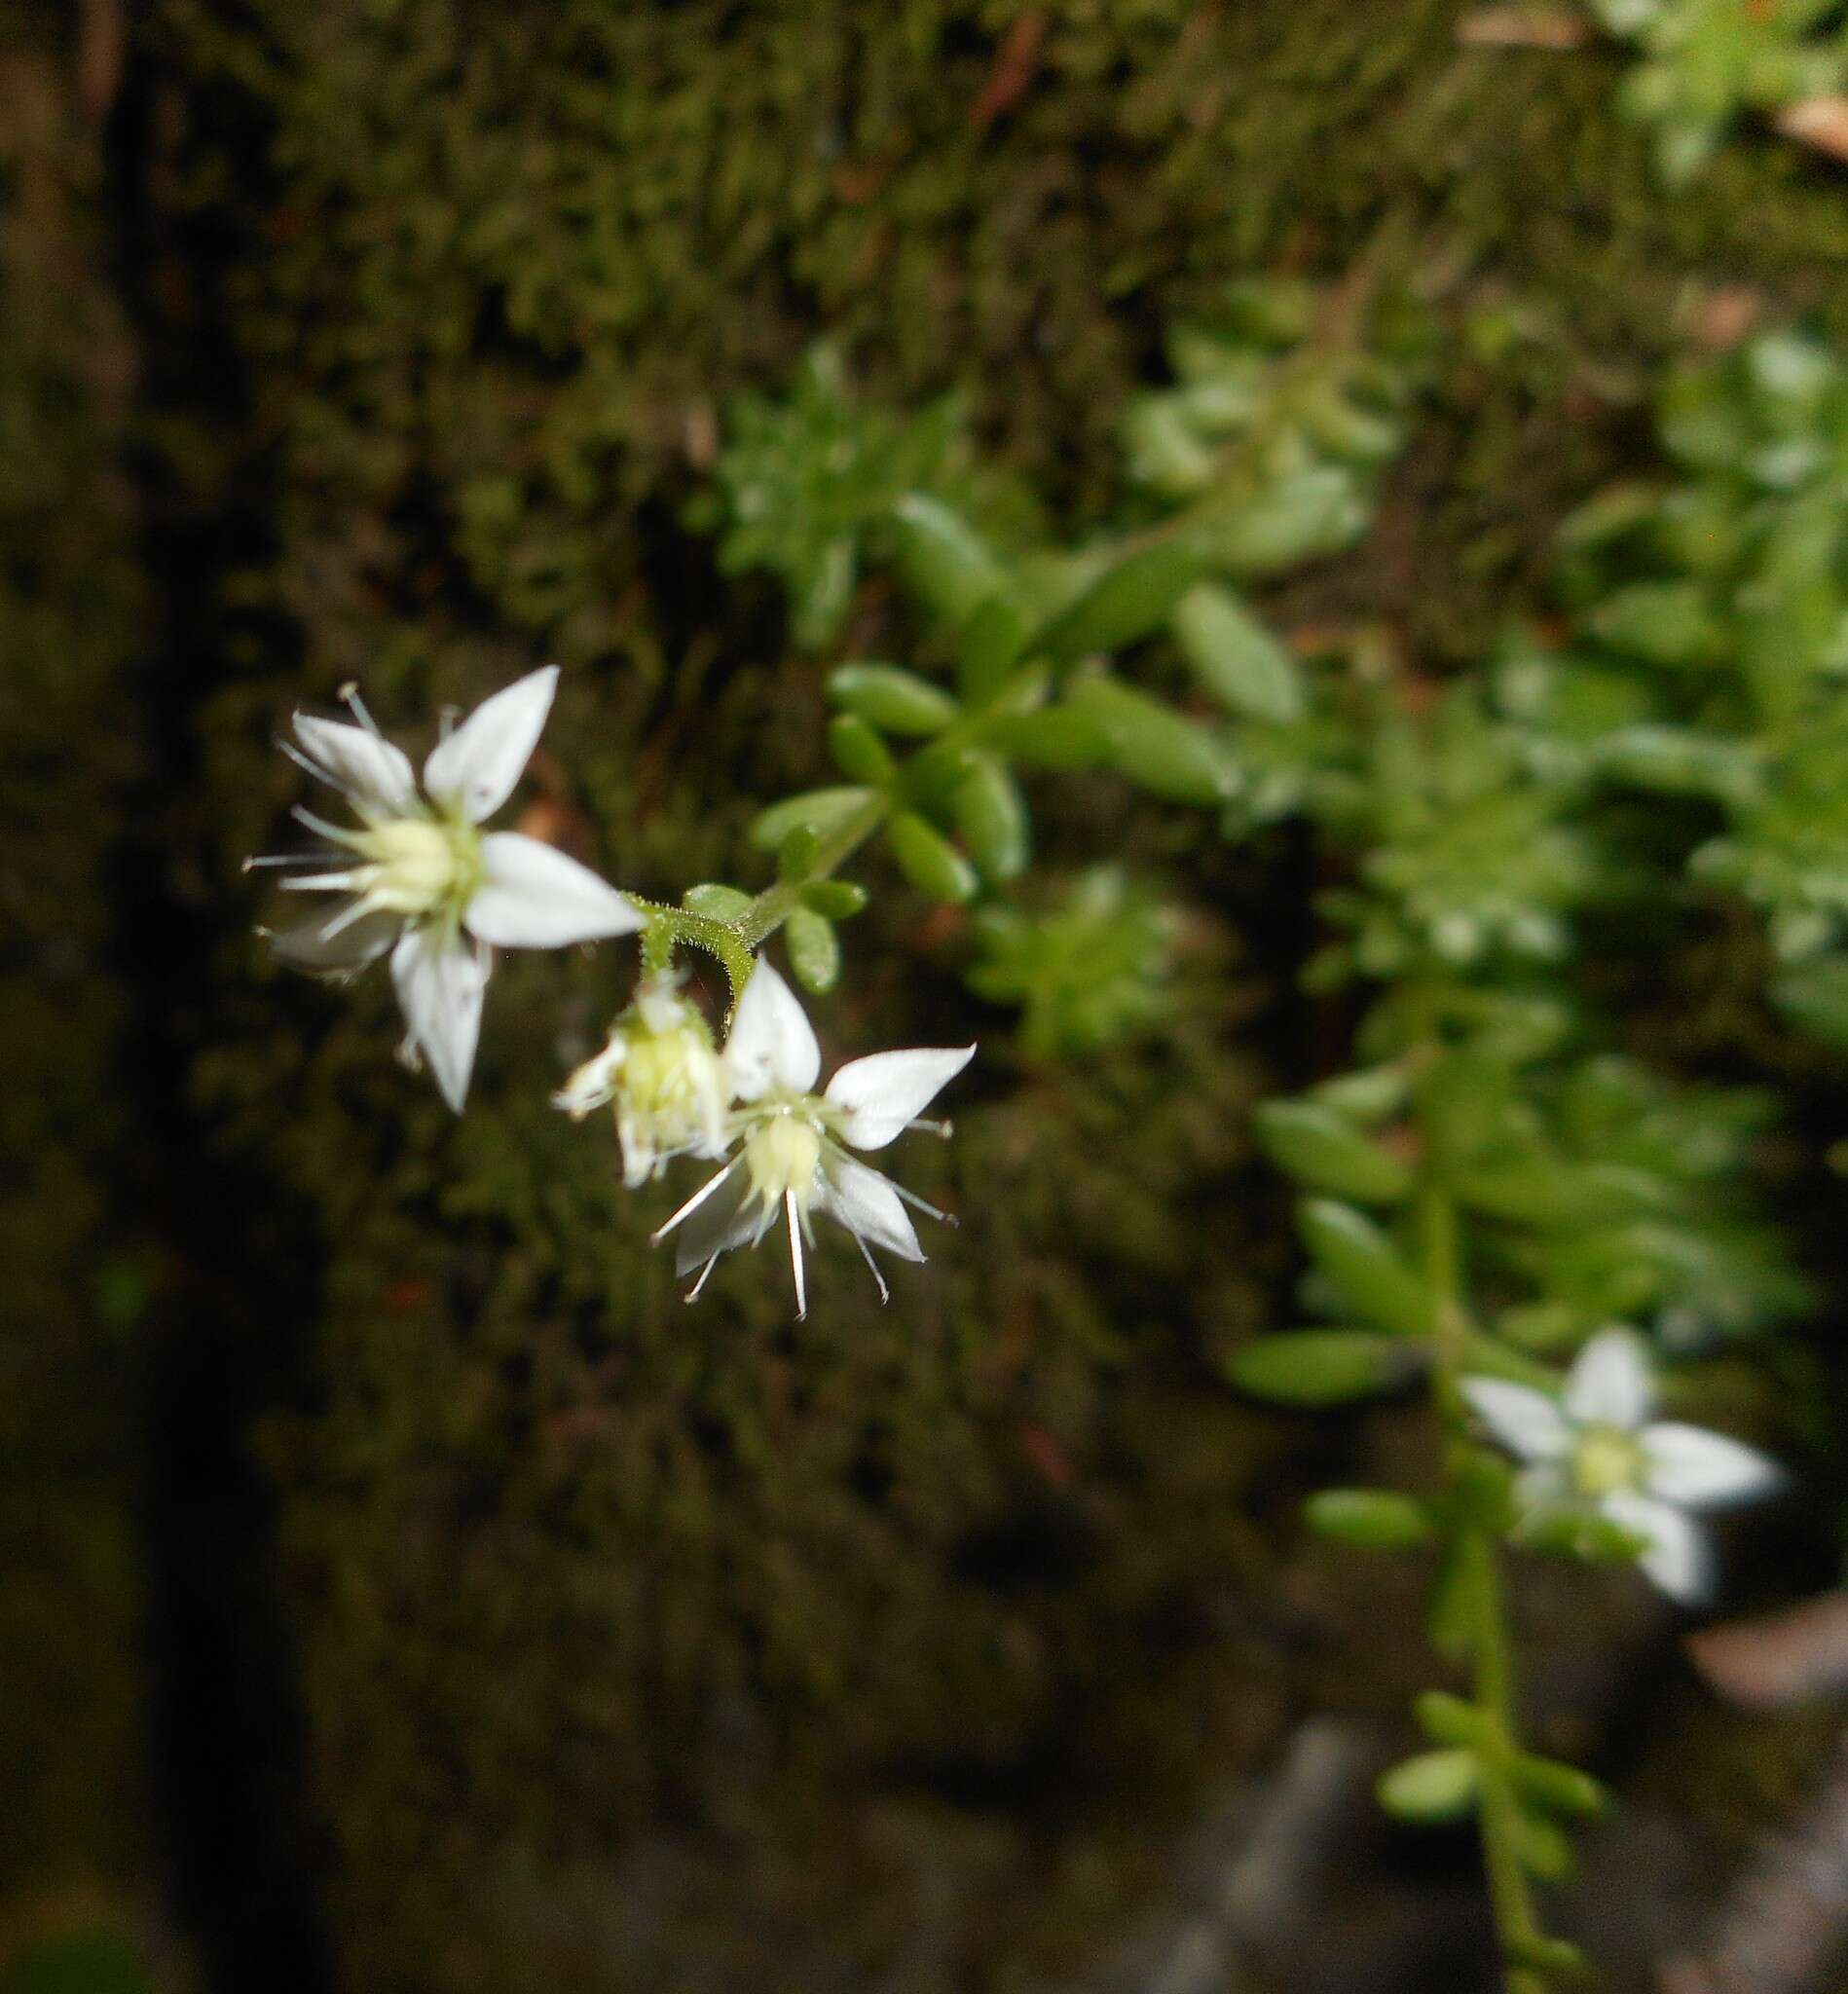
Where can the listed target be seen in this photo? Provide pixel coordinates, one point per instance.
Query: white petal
(594, 1083)
(535, 897)
(1608, 1385)
(771, 1043)
(883, 1093)
(1540, 1486)
(475, 769)
(1526, 1423)
(733, 1217)
(866, 1204)
(440, 979)
(326, 947)
(1689, 1465)
(372, 774)
(1676, 1557)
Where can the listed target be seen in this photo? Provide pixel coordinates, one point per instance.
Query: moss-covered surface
(74, 1837)
(640, 1647)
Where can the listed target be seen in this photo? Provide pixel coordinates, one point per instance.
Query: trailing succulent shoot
(1706, 653)
(1497, 1210)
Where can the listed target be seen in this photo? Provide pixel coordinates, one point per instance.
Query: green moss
(72, 1670)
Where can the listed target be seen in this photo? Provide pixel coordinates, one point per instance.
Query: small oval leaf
(1369, 1518)
(1327, 1152)
(928, 860)
(1321, 1367)
(1366, 1267)
(1431, 1786)
(814, 950)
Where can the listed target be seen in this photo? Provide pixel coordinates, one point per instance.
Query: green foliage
(1089, 969)
(804, 478)
(1730, 690)
(1707, 62)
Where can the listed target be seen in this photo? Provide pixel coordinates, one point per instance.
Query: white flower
(664, 1074)
(1596, 1448)
(418, 876)
(792, 1159)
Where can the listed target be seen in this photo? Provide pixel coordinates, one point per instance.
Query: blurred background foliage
(447, 1606)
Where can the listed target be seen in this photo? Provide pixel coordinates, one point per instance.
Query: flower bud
(662, 1073)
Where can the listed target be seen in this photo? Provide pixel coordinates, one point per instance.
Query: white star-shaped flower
(417, 876)
(792, 1157)
(1596, 1448)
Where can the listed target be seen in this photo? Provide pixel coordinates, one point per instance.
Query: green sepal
(994, 644)
(814, 950)
(834, 899)
(1366, 1267)
(944, 558)
(857, 751)
(892, 699)
(1158, 749)
(1235, 657)
(822, 810)
(1320, 1367)
(1431, 1786)
(928, 860)
(1323, 1151)
(992, 817)
(1127, 601)
(1369, 1518)
(714, 902)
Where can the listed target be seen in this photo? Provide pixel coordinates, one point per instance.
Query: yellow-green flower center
(1604, 1460)
(418, 865)
(782, 1154)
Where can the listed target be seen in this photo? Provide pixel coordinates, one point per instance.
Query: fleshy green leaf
(1235, 657)
(1323, 1151)
(994, 641)
(1061, 738)
(1358, 1258)
(1321, 1367)
(1431, 1786)
(1369, 1518)
(717, 902)
(822, 810)
(1158, 749)
(795, 855)
(944, 558)
(892, 699)
(1561, 1789)
(928, 860)
(836, 900)
(814, 950)
(857, 751)
(1449, 1721)
(991, 816)
(1126, 602)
